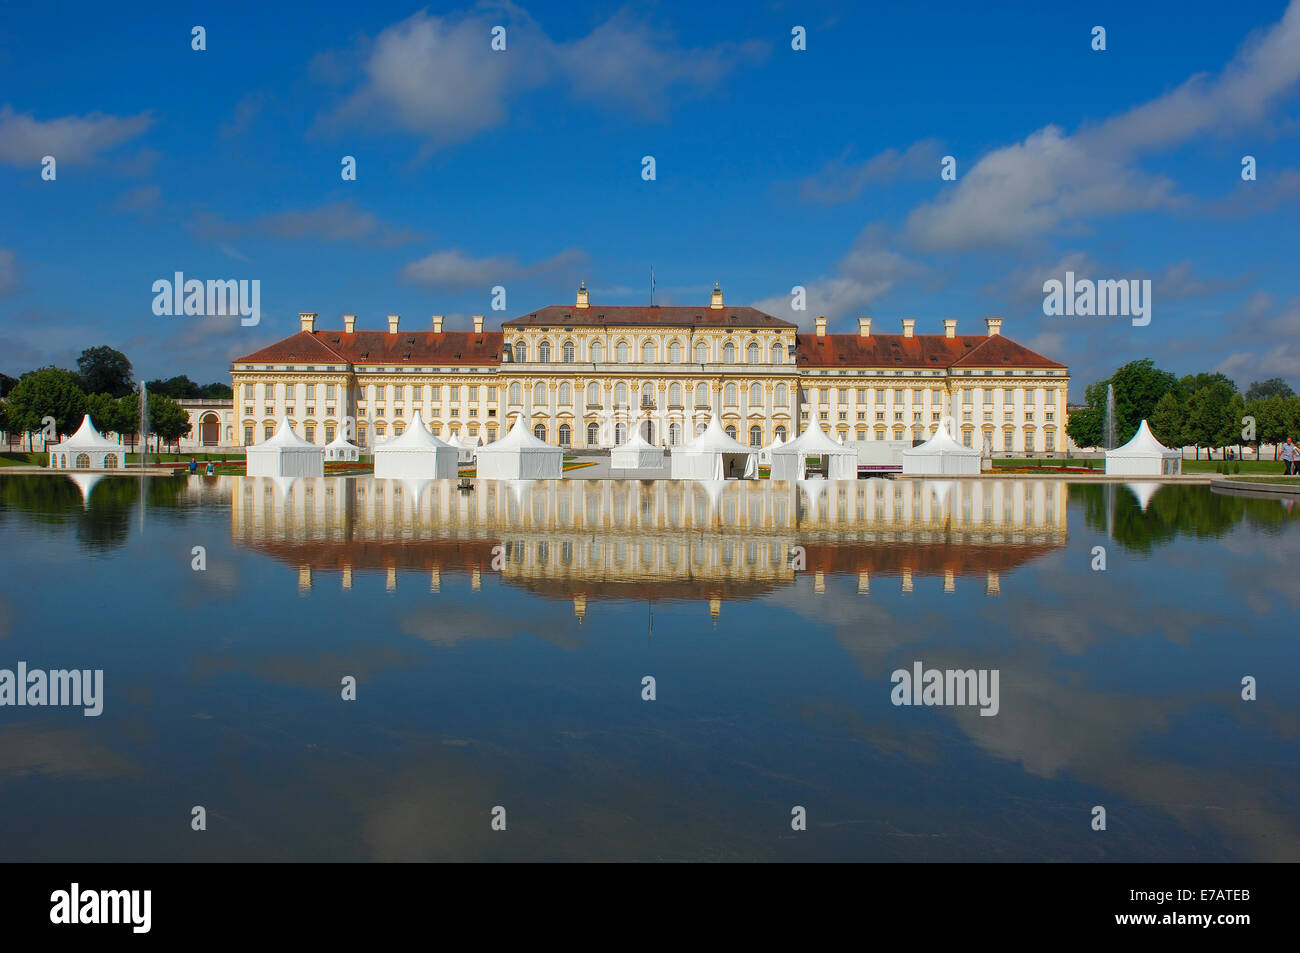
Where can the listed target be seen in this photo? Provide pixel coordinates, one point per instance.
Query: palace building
(584, 374)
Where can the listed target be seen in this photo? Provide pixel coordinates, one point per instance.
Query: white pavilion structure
(941, 455)
(464, 449)
(790, 460)
(340, 449)
(87, 449)
(714, 456)
(285, 454)
(414, 453)
(519, 456)
(636, 454)
(1144, 455)
(765, 454)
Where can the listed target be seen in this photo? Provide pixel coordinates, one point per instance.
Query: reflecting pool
(500, 639)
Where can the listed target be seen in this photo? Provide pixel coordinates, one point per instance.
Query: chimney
(437, 324)
(821, 327)
(715, 302)
(308, 319)
(994, 325)
(392, 323)
(582, 295)
(909, 327)
(950, 327)
(349, 323)
(864, 327)
(478, 324)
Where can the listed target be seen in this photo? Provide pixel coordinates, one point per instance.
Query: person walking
(1289, 451)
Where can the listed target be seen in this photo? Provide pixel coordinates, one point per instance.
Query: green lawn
(1054, 462)
(1237, 478)
(21, 459)
(1247, 466)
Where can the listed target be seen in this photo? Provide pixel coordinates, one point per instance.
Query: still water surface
(499, 639)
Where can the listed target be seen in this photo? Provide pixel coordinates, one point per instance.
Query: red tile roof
(380, 347)
(565, 315)
(922, 350)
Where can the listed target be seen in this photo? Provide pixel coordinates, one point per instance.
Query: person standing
(1289, 456)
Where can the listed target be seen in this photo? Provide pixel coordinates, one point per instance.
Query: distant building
(582, 375)
(212, 424)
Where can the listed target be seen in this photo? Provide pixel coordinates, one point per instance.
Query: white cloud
(452, 269)
(333, 222)
(25, 140)
(840, 181)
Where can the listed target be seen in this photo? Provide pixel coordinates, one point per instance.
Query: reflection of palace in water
(603, 539)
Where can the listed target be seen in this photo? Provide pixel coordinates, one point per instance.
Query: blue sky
(775, 168)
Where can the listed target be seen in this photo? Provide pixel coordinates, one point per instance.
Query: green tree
(1232, 423)
(167, 419)
(104, 370)
(128, 418)
(1139, 385)
(48, 392)
(177, 388)
(1208, 410)
(1273, 387)
(216, 390)
(104, 412)
(7, 384)
(1168, 421)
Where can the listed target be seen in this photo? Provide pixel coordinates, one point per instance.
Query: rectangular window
(330, 391)
(492, 393)
(967, 396)
(898, 395)
(862, 395)
(473, 393)
(843, 396)
(248, 436)
(310, 433)
(824, 396)
(880, 395)
(329, 433)
(311, 391)
(268, 430)
(1050, 445)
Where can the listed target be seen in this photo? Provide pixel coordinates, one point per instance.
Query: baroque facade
(583, 375)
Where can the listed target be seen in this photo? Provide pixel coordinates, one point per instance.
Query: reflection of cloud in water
(27, 751)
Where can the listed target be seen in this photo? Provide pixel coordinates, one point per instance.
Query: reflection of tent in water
(85, 482)
(940, 489)
(413, 490)
(87, 449)
(813, 491)
(1144, 455)
(284, 486)
(285, 454)
(1144, 490)
(714, 456)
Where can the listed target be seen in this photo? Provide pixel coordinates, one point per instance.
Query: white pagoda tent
(714, 456)
(636, 454)
(415, 452)
(790, 460)
(1144, 455)
(765, 455)
(941, 455)
(340, 449)
(285, 454)
(87, 449)
(519, 456)
(464, 449)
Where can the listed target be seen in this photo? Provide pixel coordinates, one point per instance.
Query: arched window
(568, 352)
(521, 351)
(83, 461)
(731, 431)
(729, 353)
(566, 393)
(674, 434)
(674, 395)
(731, 395)
(648, 352)
(751, 352)
(539, 393)
(675, 352)
(515, 393)
(620, 394)
(701, 353)
(539, 431)
(621, 351)
(701, 395)
(778, 354)
(544, 352)
(700, 428)
(593, 394)
(597, 352)
(110, 461)
(647, 393)
(593, 433)
(781, 399)
(756, 436)
(755, 395)
(780, 432)
(565, 434)
(620, 432)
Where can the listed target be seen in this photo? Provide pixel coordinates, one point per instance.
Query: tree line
(102, 386)
(1203, 410)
